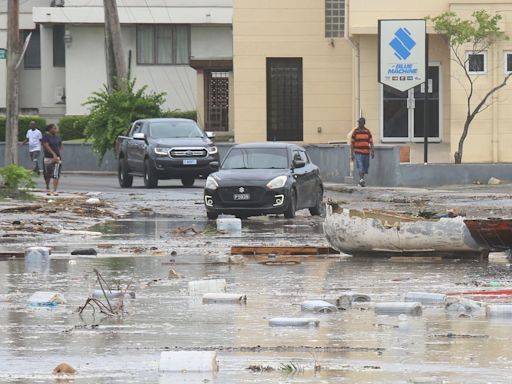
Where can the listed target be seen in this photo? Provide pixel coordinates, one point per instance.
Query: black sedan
(264, 178)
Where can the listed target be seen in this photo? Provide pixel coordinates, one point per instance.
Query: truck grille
(188, 152)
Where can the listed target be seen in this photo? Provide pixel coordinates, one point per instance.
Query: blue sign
(402, 44)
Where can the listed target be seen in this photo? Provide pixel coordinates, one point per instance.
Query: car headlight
(162, 151)
(277, 182)
(213, 150)
(211, 183)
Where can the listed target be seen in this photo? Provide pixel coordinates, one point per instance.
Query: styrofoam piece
(200, 287)
(232, 226)
(46, 299)
(426, 297)
(294, 322)
(37, 259)
(98, 294)
(499, 310)
(93, 201)
(397, 308)
(224, 298)
(189, 361)
(317, 306)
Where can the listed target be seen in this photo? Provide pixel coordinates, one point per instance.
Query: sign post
(403, 59)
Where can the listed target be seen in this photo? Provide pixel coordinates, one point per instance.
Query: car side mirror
(299, 163)
(210, 134)
(139, 136)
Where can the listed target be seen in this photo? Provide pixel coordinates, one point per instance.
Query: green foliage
(111, 113)
(23, 122)
(15, 178)
(72, 127)
(192, 115)
(480, 32)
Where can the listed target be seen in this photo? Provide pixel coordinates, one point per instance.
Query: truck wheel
(318, 208)
(188, 181)
(125, 179)
(150, 176)
(290, 211)
(212, 215)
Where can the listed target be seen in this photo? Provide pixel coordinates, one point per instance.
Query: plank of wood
(10, 255)
(283, 250)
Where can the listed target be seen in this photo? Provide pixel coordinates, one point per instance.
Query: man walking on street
(52, 146)
(33, 138)
(361, 148)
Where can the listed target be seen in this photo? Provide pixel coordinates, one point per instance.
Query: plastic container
(499, 310)
(46, 299)
(460, 305)
(397, 308)
(348, 298)
(224, 298)
(37, 259)
(294, 322)
(200, 287)
(318, 306)
(426, 297)
(231, 226)
(188, 361)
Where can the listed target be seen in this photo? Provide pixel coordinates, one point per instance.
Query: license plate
(241, 196)
(189, 162)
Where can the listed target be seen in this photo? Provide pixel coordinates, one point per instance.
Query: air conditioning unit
(57, 3)
(60, 95)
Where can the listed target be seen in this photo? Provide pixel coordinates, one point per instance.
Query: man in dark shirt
(52, 146)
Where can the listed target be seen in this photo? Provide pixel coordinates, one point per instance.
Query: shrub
(23, 122)
(14, 178)
(72, 127)
(112, 112)
(192, 115)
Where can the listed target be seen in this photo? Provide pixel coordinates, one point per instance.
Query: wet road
(349, 346)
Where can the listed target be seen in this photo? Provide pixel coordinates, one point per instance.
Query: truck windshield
(174, 129)
(256, 158)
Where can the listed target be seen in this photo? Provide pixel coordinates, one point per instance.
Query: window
(32, 58)
(334, 18)
(59, 46)
(477, 63)
(163, 44)
(508, 62)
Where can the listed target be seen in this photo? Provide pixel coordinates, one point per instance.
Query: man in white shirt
(34, 137)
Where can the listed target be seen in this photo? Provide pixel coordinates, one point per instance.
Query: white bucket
(37, 259)
(397, 308)
(499, 310)
(231, 226)
(200, 287)
(188, 361)
(426, 297)
(294, 322)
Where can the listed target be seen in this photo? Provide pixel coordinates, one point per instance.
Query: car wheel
(150, 176)
(212, 215)
(318, 208)
(125, 180)
(292, 206)
(188, 181)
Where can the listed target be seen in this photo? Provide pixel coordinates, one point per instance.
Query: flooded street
(353, 345)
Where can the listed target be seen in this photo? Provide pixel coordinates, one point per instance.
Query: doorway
(402, 112)
(217, 101)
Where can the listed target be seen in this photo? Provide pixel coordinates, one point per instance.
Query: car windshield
(256, 158)
(174, 129)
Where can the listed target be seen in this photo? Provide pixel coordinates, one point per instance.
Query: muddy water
(353, 345)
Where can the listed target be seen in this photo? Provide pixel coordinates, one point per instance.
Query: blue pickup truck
(162, 149)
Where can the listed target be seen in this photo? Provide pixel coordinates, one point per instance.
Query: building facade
(305, 70)
(166, 42)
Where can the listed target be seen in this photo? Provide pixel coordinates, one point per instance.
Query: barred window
(334, 18)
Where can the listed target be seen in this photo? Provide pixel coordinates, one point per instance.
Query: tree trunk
(12, 86)
(460, 148)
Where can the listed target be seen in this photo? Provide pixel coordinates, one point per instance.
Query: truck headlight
(211, 183)
(277, 182)
(160, 151)
(212, 150)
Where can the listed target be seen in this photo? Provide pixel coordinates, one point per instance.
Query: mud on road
(141, 235)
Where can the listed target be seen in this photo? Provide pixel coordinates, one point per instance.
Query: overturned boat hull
(380, 233)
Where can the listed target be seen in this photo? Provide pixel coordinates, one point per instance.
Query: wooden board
(289, 250)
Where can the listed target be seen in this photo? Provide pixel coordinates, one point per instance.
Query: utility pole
(117, 71)
(12, 86)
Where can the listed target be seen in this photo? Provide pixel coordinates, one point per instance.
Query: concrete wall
(290, 28)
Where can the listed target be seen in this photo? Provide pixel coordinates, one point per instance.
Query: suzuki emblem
(241, 189)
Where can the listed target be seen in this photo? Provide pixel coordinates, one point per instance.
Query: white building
(172, 46)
